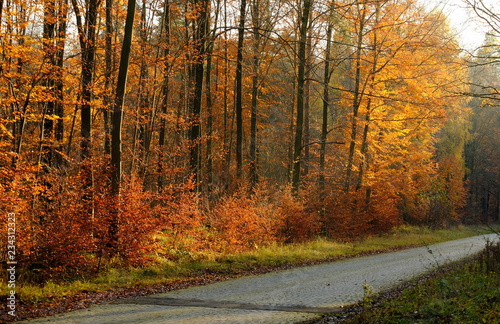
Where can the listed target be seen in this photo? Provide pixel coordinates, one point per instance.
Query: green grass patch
(268, 257)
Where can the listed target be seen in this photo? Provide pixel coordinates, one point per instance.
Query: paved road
(289, 296)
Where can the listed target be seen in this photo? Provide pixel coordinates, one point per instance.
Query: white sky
(470, 30)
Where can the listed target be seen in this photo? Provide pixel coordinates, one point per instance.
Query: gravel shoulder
(288, 296)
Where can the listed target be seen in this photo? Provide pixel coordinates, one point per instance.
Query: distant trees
(481, 155)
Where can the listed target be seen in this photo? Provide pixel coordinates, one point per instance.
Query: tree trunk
(197, 69)
(49, 51)
(165, 96)
(326, 102)
(307, 107)
(208, 96)
(108, 80)
(116, 140)
(88, 46)
(239, 92)
(253, 174)
(299, 123)
(356, 102)
(59, 84)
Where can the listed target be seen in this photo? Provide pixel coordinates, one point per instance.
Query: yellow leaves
(5, 132)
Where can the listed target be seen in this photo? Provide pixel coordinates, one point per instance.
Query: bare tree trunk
(239, 92)
(356, 102)
(49, 51)
(299, 124)
(108, 80)
(87, 35)
(59, 83)
(197, 69)
(165, 96)
(307, 106)
(227, 130)
(326, 103)
(210, 117)
(116, 140)
(253, 174)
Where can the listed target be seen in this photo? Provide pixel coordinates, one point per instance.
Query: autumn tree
(305, 12)
(54, 35)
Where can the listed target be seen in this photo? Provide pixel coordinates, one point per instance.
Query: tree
(481, 149)
(239, 91)
(162, 139)
(201, 11)
(327, 73)
(301, 79)
(87, 37)
(116, 140)
(54, 35)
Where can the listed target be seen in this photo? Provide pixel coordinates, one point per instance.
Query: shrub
(244, 221)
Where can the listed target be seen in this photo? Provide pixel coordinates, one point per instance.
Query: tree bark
(253, 174)
(49, 53)
(326, 103)
(165, 95)
(239, 91)
(197, 69)
(108, 79)
(116, 140)
(59, 84)
(356, 102)
(299, 123)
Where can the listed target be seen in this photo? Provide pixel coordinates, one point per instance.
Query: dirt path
(289, 296)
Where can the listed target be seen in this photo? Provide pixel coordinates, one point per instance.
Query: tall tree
(116, 136)
(87, 35)
(116, 132)
(108, 72)
(327, 74)
(256, 21)
(49, 50)
(239, 91)
(201, 13)
(361, 12)
(165, 91)
(306, 7)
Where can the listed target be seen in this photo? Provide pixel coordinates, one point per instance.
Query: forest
(170, 127)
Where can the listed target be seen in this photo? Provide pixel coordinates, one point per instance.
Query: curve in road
(288, 296)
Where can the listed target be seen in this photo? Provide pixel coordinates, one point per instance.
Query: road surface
(289, 296)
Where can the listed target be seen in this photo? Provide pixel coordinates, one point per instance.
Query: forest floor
(84, 299)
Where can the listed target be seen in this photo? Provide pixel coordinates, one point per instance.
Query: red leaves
(244, 221)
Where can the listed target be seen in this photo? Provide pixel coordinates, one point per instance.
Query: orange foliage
(299, 223)
(181, 219)
(244, 221)
(64, 229)
(348, 216)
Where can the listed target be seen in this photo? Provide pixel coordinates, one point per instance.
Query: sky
(471, 32)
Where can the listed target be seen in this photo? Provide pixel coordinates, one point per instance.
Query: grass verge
(466, 292)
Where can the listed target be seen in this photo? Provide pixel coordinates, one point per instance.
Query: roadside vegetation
(465, 292)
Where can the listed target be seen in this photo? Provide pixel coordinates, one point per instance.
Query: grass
(469, 293)
(270, 257)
